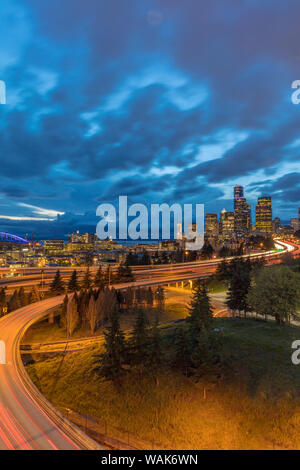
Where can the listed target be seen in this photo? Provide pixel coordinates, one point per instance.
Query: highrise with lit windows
(264, 214)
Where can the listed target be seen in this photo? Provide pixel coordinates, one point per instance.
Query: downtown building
(211, 224)
(242, 213)
(227, 225)
(264, 215)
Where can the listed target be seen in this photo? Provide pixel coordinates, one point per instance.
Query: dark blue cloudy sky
(163, 101)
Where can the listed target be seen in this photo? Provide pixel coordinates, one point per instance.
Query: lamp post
(42, 293)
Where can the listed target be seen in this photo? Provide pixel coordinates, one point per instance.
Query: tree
(108, 302)
(225, 252)
(207, 251)
(200, 311)
(223, 271)
(131, 259)
(73, 285)
(139, 341)
(182, 350)
(63, 310)
(110, 364)
(124, 273)
(92, 314)
(87, 283)
(72, 316)
(57, 286)
(239, 283)
(275, 292)
(35, 295)
(99, 279)
(145, 259)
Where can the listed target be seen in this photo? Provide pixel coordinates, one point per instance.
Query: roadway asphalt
(24, 424)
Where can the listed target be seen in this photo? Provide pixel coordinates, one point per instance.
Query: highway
(27, 420)
(28, 277)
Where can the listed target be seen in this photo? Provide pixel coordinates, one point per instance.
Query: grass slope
(256, 405)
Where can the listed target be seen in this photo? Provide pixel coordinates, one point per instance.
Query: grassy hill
(255, 404)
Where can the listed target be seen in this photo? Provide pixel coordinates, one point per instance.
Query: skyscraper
(211, 224)
(238, 191)
(264, 214)
(242, 212)
(227, 224)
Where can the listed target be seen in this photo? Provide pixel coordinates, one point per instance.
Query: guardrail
(111, 436)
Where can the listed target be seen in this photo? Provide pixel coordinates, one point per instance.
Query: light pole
(42, 293)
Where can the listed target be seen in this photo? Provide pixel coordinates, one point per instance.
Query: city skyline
(243, 224)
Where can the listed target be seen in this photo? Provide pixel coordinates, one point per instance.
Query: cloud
(156, 100)
(50, 213)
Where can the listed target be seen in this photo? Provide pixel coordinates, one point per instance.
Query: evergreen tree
(99, 279)
(110, 364)
(239, 284)
(57, 286)
(73, 284)
(223, 271)
(72, 316)
(92, 314)
(87, 283)
(82, 306)
(35, 295)
(200, 311)
(182, 350)
(131, 259)
(124, 273)
(139, 341)
(225, 252)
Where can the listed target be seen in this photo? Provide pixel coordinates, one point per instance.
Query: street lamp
(42, 273)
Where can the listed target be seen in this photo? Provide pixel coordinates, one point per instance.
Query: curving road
(27, 420)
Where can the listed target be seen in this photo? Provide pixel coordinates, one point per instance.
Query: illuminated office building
(242, 212)
(227, 224)
(211, 224)
(264, 214)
